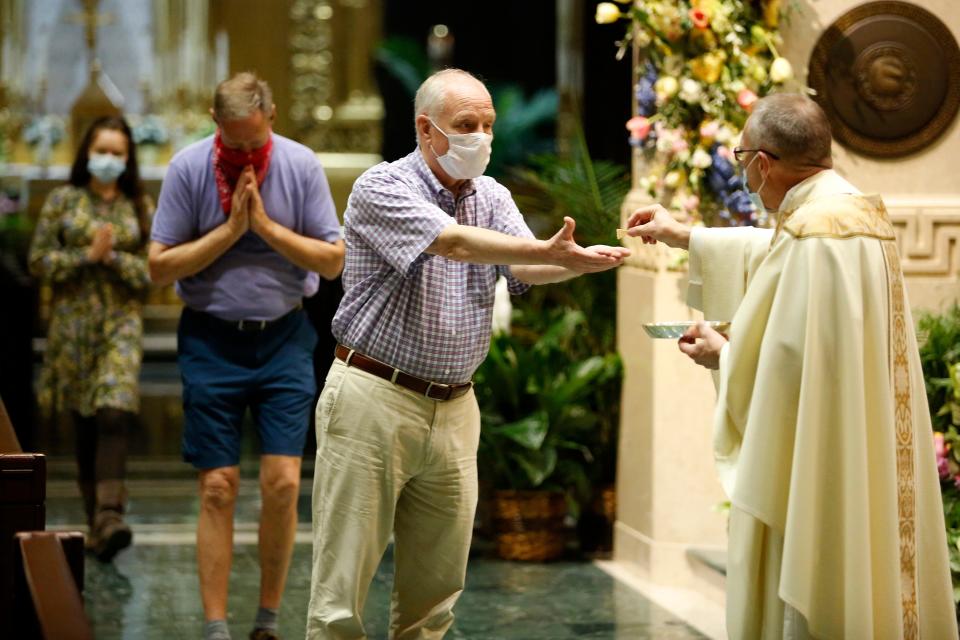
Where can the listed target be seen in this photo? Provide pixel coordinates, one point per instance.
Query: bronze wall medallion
(888, 75)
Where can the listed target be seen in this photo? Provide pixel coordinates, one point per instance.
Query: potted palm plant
(539, 420)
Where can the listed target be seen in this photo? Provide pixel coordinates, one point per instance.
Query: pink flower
(699, 19)
(639, 127)
(691, 203)
(724, 152)
(941, 448)
(746, 98)
(709, 128)
(679, 145)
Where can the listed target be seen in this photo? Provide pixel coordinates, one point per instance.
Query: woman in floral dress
(90, 246)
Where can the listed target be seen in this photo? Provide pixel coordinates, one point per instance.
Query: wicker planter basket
(529, 524)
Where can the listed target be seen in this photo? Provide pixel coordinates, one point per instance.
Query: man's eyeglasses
(739, 152)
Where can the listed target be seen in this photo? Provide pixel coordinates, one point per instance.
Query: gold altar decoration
(335, 107)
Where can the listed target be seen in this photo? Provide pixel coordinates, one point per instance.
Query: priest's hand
(703, 345)
(654, 223)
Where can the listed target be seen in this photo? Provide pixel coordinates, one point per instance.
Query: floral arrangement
(43, 133)
(940, 355)
(189, 126)
(46, 130)
(150, 130)
(704, 63)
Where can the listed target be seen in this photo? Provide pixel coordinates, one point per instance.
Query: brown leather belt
(432, 390)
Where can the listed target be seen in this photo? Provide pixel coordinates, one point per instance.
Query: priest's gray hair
(793, 126)
(432, 94)
(241, 95)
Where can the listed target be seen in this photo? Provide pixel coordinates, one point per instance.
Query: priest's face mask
(757, 175)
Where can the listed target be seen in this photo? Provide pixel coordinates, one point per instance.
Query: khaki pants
(389, 460)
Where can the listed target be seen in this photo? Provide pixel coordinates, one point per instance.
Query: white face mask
(754, 196)
(468, 155)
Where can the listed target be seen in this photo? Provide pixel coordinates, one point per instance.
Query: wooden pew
(41, 573)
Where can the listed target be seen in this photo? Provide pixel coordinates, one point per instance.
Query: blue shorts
(225, 371)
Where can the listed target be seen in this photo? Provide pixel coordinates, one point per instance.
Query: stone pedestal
(668, 494)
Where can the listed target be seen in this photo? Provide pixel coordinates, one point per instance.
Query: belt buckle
(251, 325)
(431, 385)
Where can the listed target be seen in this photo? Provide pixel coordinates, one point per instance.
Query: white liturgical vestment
(822, 434)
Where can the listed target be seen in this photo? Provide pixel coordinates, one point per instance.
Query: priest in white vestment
(822, 434)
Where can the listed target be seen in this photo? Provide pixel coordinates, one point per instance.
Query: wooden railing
(41, 573)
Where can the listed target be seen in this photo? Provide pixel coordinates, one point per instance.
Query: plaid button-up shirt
(423, 314)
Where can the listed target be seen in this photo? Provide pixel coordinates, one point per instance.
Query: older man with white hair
(398, 423)
(822, 433)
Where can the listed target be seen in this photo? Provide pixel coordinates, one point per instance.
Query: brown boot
(110, 533)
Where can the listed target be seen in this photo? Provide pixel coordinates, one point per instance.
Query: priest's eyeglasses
(739, 152)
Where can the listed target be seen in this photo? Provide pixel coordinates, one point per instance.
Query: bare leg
(218, 496)
(280, 488)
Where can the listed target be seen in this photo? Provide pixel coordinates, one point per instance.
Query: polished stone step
(713, 559)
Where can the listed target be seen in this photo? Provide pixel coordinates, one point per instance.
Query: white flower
(672, 180)
(701, 159)
(502, 308)
(607, 12)
(665, 143)
(781, 70)
(683, 155)
(723, 135)
(666, 87)
(690, 91)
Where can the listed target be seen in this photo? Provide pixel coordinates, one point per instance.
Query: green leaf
(404, 59)
(538, 465)
(528, 432)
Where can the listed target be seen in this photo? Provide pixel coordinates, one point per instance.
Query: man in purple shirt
(244, 224)
(397, 422)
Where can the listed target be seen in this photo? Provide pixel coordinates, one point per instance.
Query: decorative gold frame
(944, 115)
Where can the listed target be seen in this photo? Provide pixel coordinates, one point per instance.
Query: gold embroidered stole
(903, 417)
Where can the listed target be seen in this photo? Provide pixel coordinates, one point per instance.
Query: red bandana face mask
(229, 163)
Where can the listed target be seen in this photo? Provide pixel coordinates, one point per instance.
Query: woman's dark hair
(129, 181)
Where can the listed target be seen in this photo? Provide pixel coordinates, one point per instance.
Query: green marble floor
(150, 591)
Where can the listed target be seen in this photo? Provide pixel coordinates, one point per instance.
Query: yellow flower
(781, 70)
(708, 67)
(607, 12)
(757, 72)
(666, 86)
(771, 13)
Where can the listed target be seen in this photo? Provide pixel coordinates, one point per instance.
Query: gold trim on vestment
(903, 423)
(838, 216)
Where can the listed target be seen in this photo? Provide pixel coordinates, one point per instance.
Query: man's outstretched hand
(563, 250)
